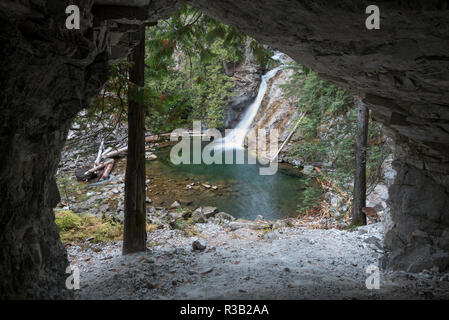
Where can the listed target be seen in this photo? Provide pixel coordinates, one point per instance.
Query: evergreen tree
(134, 238)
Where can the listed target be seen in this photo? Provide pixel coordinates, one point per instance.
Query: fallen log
(109, 149)
(107, 170)
(99, 167)
(116, 153)
(100, 152)
(152, 138)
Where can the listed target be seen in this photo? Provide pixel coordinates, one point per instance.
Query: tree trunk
(358, 217)
(134, 238)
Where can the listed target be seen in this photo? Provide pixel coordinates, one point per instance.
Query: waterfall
(236, 138)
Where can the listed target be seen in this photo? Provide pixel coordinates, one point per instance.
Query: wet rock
(259, 217)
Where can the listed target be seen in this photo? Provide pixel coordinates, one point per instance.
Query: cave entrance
(400, 72)
(194, 208)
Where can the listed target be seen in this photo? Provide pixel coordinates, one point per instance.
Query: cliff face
(246, 76)
(49, 74)
(275, 113)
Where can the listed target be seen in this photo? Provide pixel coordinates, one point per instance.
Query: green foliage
(67, 220)
(76, 228)
(311, 197)
(329, 129)
(185, 77)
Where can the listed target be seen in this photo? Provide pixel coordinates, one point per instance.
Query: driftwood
(102, 170)
(152, 139)
(114, 154)
(107, 170)
(100, 152)
(99, 167)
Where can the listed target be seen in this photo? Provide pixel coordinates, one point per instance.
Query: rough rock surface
(275, 113)
(50, 73)
(247, 77)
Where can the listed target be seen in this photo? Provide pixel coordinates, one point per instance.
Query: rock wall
(275, 113)
(50, 73)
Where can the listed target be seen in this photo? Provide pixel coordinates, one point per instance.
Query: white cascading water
(236, 138)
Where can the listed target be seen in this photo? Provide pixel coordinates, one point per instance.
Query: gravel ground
(290, 263)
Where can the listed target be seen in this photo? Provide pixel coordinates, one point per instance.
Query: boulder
(224, 216)
(210, 212)
(253, 225)
(199, 244)
(198, 216)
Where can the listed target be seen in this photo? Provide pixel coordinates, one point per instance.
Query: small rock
(308, 169)
(374, 241)
(199, 244)
(150, 156)
(224, 216)
(148, 200)
(175, 215)
(209, 212)
(207, 186)
(253, 225)
(198, 216)
(206, 271)
(259, 217)
(272, 235)
(186, 214)
(175, 205)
